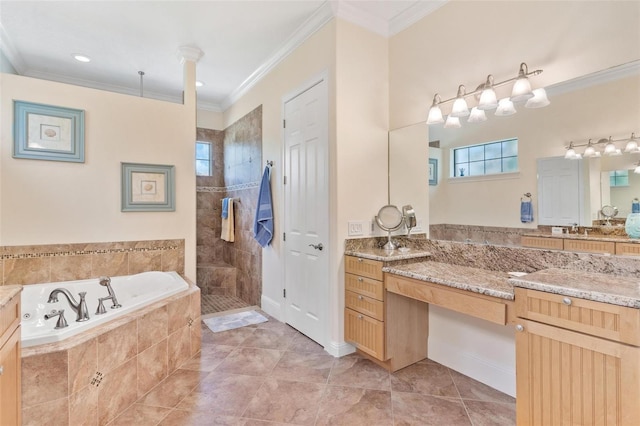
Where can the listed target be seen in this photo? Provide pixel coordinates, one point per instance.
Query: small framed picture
(46, 132)
(148, 188)
(433, 171)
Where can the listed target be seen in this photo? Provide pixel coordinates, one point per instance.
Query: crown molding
(316, 21)
(101, 86)
(599, 77)
(413, 14)
(360, 17)
(12, 55)
(209, 106)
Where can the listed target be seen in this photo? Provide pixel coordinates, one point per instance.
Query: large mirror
(595, 110)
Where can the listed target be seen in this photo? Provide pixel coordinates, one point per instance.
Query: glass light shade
(521, 90)
(488, 99)
(637, 169)
(460, 108)
(477, 115)
(632, 145)
(538, 100)
(609, 148)
(589, 152)
(570, 154)
(435, 115)
(452, 122)
(617, 152)
(505, 107)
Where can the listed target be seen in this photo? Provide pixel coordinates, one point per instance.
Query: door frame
(306, 85)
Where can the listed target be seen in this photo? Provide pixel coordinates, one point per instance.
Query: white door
(559, 191)
(306, 212)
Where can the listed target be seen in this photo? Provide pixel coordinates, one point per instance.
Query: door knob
(318, 246)
(519, 327)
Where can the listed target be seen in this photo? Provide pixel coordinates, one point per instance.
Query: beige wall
(357, 67)
(50, 202)
(565, 38)
(210, 119)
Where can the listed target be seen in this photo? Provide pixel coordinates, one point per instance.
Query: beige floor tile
(222, 393)
(491, 413)
(473, 389)
(272, 338)
(285, 401)
(353, 370)
(355, 407)
(51, 413)
(199, 418)
(423, 410)
(250, 361)
(173, 389)
(425, 377)
(304, 367)
(230, 338)
(302, 343)
(141, 415)
(209, 357)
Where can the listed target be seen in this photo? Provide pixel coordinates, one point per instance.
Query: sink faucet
(80, 308)
(106, 282)
(574, 228)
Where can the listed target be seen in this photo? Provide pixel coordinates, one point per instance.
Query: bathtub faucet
(106, 282)
(80, 308)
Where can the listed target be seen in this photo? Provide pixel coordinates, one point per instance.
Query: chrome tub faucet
(80, 308)
(106, 282)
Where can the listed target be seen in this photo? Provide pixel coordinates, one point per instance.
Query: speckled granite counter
(8, 292)
(387, 256)
(482, 281)
(594, 237)
(623, 291)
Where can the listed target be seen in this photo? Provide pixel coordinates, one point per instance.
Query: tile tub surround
(93, 377)
(37, 264)
(7, 293)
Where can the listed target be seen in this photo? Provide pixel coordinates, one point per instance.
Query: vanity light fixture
(637, 169)
(521, 93)
(610, 147)
(199, 83)
(452, 122)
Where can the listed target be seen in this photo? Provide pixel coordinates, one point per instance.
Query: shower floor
(213, 303)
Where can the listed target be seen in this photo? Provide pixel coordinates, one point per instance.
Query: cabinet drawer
(590, 246)
(364, 267)
(9, 318)
(476, 306)
(613, 322)
(365, 286)
(629, 249)
(542, 242)
(366, 333)
(365, 305)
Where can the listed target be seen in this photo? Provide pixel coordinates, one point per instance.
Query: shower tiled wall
(231, 268)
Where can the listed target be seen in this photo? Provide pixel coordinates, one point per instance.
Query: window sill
(484, 178)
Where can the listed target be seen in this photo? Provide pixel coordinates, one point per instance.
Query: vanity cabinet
(590, 246)
(577, 361)
(10, 385)
(542, 242)
(392, 344)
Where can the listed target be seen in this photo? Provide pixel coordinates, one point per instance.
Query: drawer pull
(360, 260)
(360, 317)
(566, 301)
(360, 279)
(519, 327)
(360, 297)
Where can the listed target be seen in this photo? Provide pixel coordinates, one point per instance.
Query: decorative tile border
(238, 187)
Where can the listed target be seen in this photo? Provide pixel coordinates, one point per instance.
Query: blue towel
(263, 225)
(225, 208)
(526, 211)
(635, 206)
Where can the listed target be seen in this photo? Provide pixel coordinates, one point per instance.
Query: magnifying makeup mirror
(390, 219)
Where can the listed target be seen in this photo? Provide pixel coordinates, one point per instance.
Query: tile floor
(211, 303)
(269, 374)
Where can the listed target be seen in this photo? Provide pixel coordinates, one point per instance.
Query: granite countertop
(386, 255)
(593, 237)
(616, 290)
(476, 280)
(7, 293)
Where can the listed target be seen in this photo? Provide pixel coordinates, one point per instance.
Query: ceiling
(241, 40)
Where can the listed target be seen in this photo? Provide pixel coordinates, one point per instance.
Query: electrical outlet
(355, 228)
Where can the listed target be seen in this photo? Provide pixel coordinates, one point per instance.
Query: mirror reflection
(598, 109)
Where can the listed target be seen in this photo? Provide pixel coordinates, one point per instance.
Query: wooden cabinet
(581, 245)
(393, 344)
(542, 242)
(10, 386)
(628, 249)
(590, 246)
(577, 361)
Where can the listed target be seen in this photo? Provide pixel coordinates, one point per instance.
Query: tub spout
(106, 282)
(80, 308)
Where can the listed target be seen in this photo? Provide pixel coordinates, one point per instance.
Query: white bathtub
(132, 292)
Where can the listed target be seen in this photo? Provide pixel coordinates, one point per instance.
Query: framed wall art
(148, 188)
(433, 171)
(46, 132)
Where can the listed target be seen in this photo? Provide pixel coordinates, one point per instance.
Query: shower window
(485, 159)
(203, 159)
(619, 178)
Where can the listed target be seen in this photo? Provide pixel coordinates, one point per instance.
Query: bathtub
(133, 292)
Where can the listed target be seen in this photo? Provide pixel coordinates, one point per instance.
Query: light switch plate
(355, 228)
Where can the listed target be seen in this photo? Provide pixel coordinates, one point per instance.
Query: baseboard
(271, 307)
(339, 349)
(482, 370)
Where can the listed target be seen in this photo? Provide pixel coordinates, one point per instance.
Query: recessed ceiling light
(199, 83)
(81, 58)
